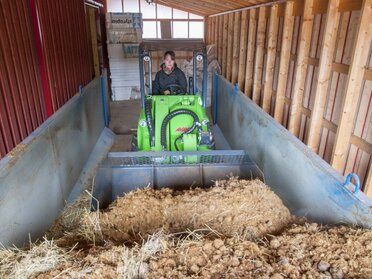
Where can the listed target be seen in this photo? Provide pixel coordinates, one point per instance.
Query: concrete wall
(37, 177)
(306, 183)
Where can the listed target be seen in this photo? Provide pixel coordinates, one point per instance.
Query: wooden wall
(307, 63)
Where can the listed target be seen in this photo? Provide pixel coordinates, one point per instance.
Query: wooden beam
(235, 58)
(211, 30)
(350, 5)
(299, 6)
(243, 49)
(216, 31)
(320, 6)
(336, 67)
(329, 125)
(353, 87)
(230, 40)
(94, 42)
(248, 84)
(368, 74)
(206, 30)
(220, 39)
(301, 68)
(340, 68)
(189, 8)
(224, 44)
(210, 22)
(361, 144)
(270, 59)
(285, 53)
(324, 74)
(259, 60)
(201, 8)
(286, 99)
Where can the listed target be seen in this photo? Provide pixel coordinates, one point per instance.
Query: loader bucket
(122, 172)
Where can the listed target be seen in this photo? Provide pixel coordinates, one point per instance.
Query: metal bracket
(357, 181)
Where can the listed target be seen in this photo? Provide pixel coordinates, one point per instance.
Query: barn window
(161, 22)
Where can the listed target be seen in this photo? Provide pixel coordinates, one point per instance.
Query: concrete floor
(123, 122)
(124, 116)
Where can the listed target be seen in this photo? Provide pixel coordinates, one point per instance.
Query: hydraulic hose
(149, 121)
(163, 135)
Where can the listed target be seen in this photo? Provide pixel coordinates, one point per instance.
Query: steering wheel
(175, 89)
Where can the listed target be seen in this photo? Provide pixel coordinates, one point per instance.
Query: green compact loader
(175, 122)
(176, 145)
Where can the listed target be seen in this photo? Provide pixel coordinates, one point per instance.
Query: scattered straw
(41, 257)
(134, 261)
(90, 228)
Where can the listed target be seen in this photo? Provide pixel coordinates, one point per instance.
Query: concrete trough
(57, 161)
(308, 185)
(38, 176)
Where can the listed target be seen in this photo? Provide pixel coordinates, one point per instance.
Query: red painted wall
(21, 102)
(65, 47)
(41, 66)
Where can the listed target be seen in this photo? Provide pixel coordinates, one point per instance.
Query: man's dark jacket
(162, 80)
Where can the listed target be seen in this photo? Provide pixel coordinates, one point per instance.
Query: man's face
(169, 63)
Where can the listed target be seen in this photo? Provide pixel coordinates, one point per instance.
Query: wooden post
(259, 60)
(230, 38)
(353, 88)
(212, 30)
(243, 48)
(301, 68)
(216, 30)
(206, 30)
(324, 74)
(94, 42)
(285, 54)
(235, 58)
(248, 86)
(270, 59)
(220, 39)
(224, 44)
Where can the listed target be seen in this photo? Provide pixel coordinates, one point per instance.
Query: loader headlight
(146, 58)
(143, 123)
(199, 57)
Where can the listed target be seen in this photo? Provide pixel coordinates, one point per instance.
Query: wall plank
(353, 87)
(301, 67)
(224, 44)
(248, 85)
(230, 40)
(243, 48)
(216, 30)
(259, 58)
(270, 58)
(220, 38)
(285, 53)
(324, 74)
(236, 46)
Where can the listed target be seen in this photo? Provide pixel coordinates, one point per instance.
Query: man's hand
(166, 92)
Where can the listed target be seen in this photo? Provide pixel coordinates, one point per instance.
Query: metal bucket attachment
(123, 172)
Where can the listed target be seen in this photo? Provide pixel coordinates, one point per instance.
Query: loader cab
(178, 121)
(199, 55)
